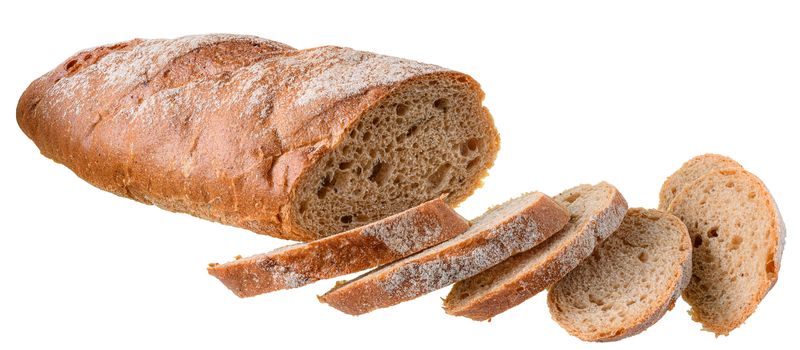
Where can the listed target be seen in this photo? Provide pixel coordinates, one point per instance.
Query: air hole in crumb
(643, 257)
(674, 190)
(751, 195)
(473, 143)
(729, 184)
(87, 57)
(367, 135)
(462, 80)
(346, 219)
(411, 131)
(345, 165)
(380, 172)
(362, 218)
(713, 232)
(473, 163)
(698, 241)
(441, 104)
(736, 241)
(303, 207)
(438, 176)
(401, 109)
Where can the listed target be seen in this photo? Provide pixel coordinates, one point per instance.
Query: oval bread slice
(595, 213)
(630, 280)
(351, 251)
(501, 232)
(737, 234)
(690, 171)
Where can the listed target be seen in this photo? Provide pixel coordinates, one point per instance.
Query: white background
(581, 92)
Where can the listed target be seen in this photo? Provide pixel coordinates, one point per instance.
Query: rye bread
(501, 232)
(629, 282)
(737, 235)
(364, 247)
(690, 171)
(595, 213)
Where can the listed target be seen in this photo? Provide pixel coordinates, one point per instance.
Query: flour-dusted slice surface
(737, 234)
(375, 244)
(690, 171)
(595, 213)
(630, 280)
(501, 232)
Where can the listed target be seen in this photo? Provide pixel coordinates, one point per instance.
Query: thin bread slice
(504, 230)
(690, 171)
(595, 213)
(364, 247)
(630, 280)
(738, 235)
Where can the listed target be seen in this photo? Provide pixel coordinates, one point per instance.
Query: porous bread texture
(233, 129)
(629, 282)
(504, 230)
(351, 251)
(430, 136)
(690, 171)
(737, 237)
(595, 213)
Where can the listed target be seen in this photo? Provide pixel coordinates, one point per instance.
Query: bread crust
(776, 238)
(378, 243)
(599, 225)
(221, 127)
(423, 273)
(669, 294)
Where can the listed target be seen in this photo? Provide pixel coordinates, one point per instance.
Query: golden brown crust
(452, 261)
(351, 251)
(530, 282)
(217, 126)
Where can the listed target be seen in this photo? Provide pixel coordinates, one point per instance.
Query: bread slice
(690, 171)
(738, 235)
(358, 249)
(629, 281)
(504, 230)
(595, 213)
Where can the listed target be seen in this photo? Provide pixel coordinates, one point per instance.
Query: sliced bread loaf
(501, 232)
(351, 251)
(737, 234)
(595, 213)
(690, 171)
(630, 280)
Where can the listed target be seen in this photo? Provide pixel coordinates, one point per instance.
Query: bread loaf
(297, 144)
(364, 247)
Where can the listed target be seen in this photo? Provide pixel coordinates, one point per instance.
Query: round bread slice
(630, 280)
(505, 230)
(690, 171)
(595, 213)
(738, 235)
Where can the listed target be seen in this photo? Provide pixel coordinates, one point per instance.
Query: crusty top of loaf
(125, 116)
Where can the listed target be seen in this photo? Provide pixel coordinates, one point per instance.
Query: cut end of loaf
(427, 137)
